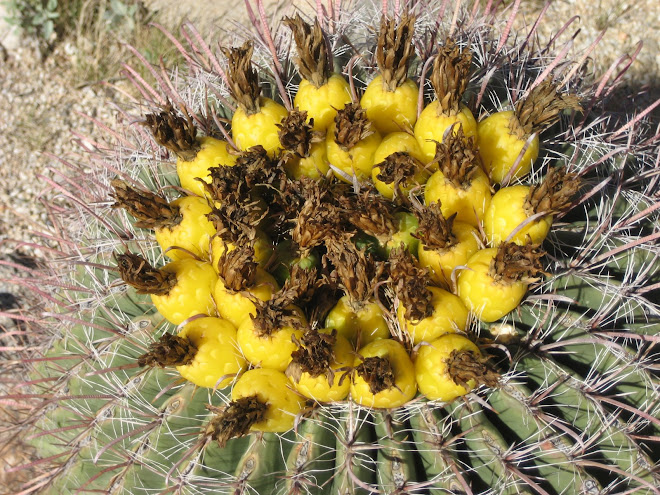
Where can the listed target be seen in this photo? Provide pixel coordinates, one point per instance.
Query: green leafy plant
(35, 17)
(575, 407)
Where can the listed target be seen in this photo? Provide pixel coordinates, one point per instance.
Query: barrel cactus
(385, 249)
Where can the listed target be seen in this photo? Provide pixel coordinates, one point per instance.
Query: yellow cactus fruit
(407, 224)
(459, 185)
(191, 295)
(269, 344)
(444, 244)
(449, 315)
(468, 204)
(179, 290)
(523, 214)
(320, 366)
(351, 142)
(193, 233)
(500, 149)
(390, 99)
(391, 111)
(450, 367)
(496, 279)
(181, 223)
(441, 262)
(260, 127)
(432, 125)
(195, 155)
(384, 375)
(450, 76)
(268, 338)
(321, 103)
(241, 282)
(254, 122)
(261, 401)
(217, 359)
(358, 325)
(504, 135)
(315, 165)
(424, 312)
(320, 92)
(212, 153)
(397, 141)
(398, 166)
(304, 150)
(356, 316)
(507, 213)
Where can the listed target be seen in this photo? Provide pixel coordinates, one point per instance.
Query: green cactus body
(574, 406)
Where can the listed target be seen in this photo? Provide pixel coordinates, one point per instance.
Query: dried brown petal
(554, 193)
(458, 158)
(235, 419)
(275, 314)
(450, 76)
(378, 373)
(395, 49)
(397, 169)
(226, 182)
(177, 134)
(410, 284)
(237, 268)
(299, 287)
(236, 219)
(541, 108)
(151, 211)
(317, 218)
(352, 126)
(355, 271)
(464, 366)
(243, 78)
(259, 169)
(514, 263)
(314, 356)
(313, 61)
(139, 274)
(369, 212)
(297, 135)
(170, 350)
(434, 230)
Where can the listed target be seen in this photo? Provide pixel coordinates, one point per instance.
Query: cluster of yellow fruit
(267, 247)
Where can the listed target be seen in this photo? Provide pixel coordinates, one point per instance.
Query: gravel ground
(41, 103)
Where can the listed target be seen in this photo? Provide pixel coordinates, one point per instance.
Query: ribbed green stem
(437, 452)
(311, 461)
(396, 459)
(355, 464)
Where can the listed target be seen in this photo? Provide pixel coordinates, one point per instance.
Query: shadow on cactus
(399, 252)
